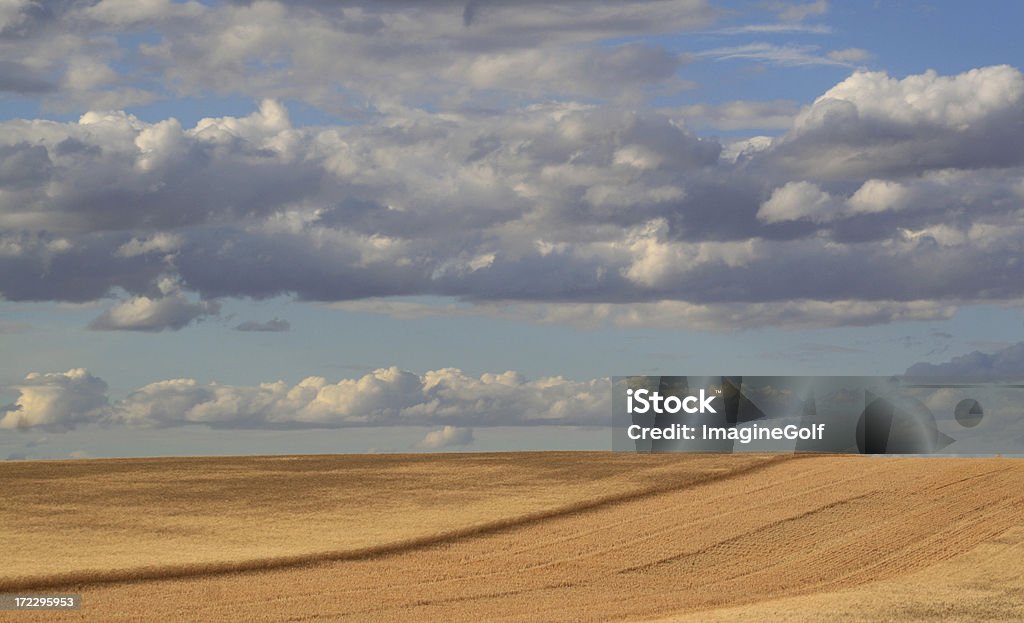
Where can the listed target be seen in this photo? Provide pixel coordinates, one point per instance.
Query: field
(518, 537)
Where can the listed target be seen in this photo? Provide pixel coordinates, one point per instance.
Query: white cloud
(952, 101)
(447, 437)
(878, 196)
(170, 309)
(56, 401)
(795, 201)
(385, 397)
(161, 242)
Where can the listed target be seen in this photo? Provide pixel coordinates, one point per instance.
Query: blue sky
(553, 190)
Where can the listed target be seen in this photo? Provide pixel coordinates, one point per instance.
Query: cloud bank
(493, 155)
(891, 195)
(386, 397)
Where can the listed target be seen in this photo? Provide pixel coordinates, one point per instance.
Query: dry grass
(531, 537)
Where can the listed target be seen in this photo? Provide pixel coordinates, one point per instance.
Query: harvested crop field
(519, 537)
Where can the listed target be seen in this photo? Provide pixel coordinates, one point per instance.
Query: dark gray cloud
(16, 78)
(274, 325)
(23, 165)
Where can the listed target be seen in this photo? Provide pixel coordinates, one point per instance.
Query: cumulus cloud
(385, 397)
(803, 200)
(56, 401)
(628, 207)
(274, 325)
(794, 201)
(170, 309)
(447, 437)
(872, 124)
(1008, 361)
(496, 155)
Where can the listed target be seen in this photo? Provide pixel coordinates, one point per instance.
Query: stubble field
(518, 537)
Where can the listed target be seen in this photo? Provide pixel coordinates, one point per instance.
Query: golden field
(586, 536)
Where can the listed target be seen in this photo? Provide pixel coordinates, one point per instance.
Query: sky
(398, 226)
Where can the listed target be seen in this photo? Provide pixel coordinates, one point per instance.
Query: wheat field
(586, 536)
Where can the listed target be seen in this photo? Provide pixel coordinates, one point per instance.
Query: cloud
(170, 309)
(794, 201)
(802, 10)
(597, 72)
(878, 196)
(873, 125)
(899, 197)
(783, 28)
(742, 115)
(401, 52)
(274, 325)
(385, 397)
(122, 13)
(160, 242)
(791, 314)
(56, 401)
(1008, 361)
(787, 55)
(447, 437)
(850, 55)
(17, 78)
